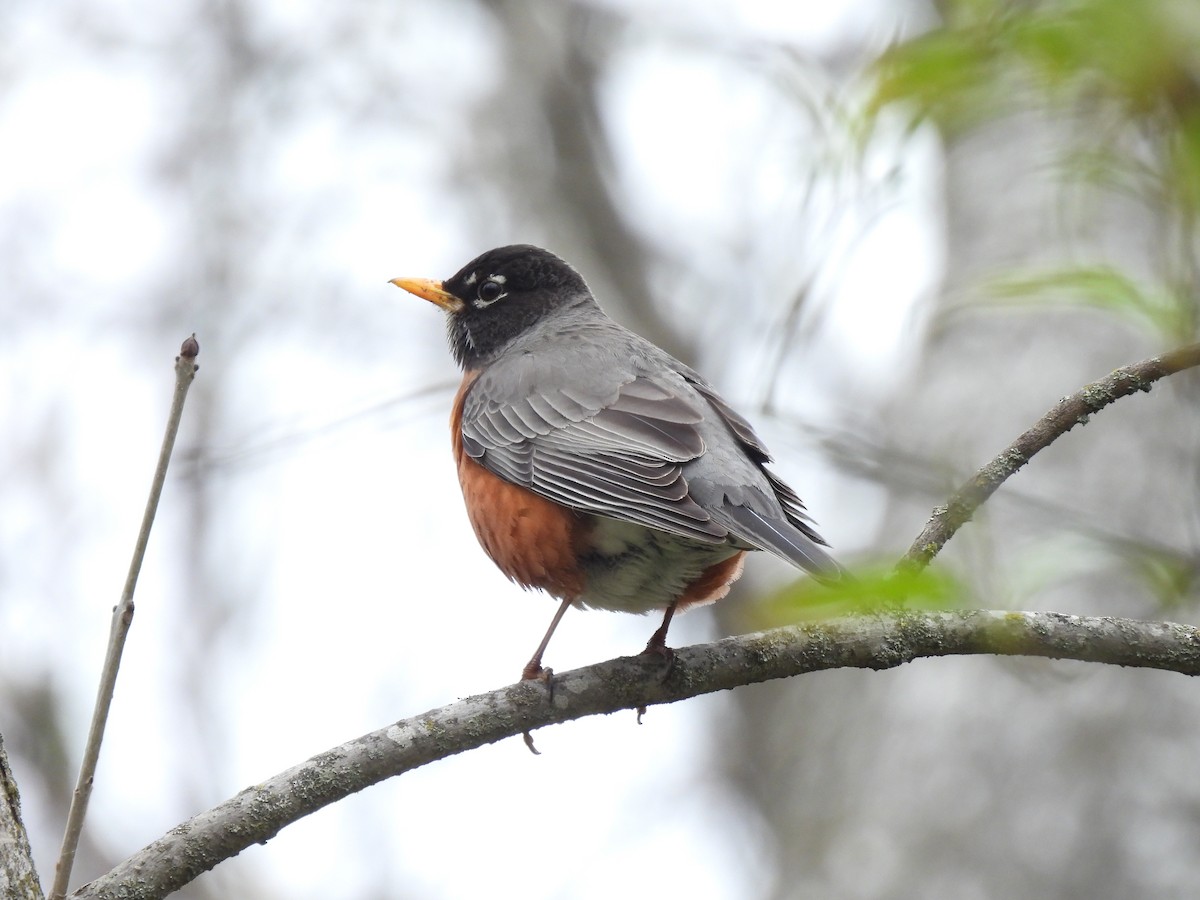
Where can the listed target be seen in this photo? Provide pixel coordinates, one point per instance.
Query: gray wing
(618, 452)
(640, 443)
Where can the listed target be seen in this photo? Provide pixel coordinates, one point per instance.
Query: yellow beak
(430, 290)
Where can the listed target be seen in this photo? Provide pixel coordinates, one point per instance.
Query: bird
(593, 464)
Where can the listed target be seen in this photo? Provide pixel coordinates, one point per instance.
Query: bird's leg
(533, 669)
(657, 645)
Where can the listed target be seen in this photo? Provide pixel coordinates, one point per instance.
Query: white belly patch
(631, 568)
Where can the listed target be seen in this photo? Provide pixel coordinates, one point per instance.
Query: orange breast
(714, 583)
(532, 541)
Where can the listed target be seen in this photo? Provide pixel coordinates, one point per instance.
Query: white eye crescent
(489, 292)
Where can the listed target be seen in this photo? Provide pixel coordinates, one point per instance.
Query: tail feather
(785, 540)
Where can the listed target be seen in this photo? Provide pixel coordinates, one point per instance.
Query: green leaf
(1102, 287)
(869, 590)
(946, 75)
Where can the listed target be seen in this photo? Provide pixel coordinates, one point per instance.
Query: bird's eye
(490, 291)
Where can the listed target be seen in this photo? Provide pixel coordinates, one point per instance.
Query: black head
(500, 295)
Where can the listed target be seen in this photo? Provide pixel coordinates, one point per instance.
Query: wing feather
(620, 456)
(678, 440)
(620, 483)
(522, 419)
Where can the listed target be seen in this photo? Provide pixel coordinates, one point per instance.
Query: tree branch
(1067, 413)
(877, 641)
(880, 641)
(18, 876)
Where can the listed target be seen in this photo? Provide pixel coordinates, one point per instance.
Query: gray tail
(802, 548)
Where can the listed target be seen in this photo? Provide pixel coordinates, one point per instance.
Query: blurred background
(893, 233)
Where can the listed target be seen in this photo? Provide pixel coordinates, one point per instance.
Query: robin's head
(497, 297)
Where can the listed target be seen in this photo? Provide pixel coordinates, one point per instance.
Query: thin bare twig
(1066, 414)
(185, 372)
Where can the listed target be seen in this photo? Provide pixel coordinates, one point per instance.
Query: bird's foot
(535, 671)
(657, 647)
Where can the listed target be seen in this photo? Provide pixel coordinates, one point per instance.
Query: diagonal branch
(1066, 414)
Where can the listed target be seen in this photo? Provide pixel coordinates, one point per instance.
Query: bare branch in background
(1070, 411)
(554, 80)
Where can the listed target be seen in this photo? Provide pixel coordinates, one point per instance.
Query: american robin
(594, 465)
